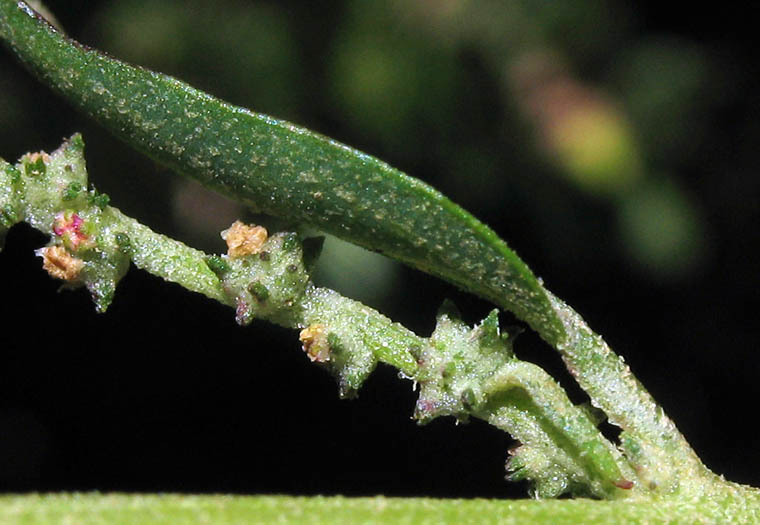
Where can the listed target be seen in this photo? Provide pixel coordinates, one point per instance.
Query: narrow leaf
(281, 169)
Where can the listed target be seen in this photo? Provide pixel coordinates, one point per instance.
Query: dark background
(651, 236)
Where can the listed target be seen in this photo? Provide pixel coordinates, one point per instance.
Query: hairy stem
(461, 371)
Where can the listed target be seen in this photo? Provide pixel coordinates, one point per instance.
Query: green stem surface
(462, 371)
(91, 509)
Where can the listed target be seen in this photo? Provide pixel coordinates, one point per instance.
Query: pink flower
(72, 230)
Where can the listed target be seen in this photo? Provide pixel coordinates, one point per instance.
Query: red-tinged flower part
(624, 484)
(424, 409)
(71, 228)
(243, 312)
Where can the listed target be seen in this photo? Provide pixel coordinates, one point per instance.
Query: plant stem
(462, 371)
(228, 510)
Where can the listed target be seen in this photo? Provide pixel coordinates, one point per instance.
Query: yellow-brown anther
(243, 239)
(59, 263)
(314, 341)
(34, 157)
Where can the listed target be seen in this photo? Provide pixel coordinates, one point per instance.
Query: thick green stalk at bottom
(90, 509)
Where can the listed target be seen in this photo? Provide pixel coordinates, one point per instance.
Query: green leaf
(281, 169)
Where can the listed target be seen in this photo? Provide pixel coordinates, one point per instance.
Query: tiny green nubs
(281, 169)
